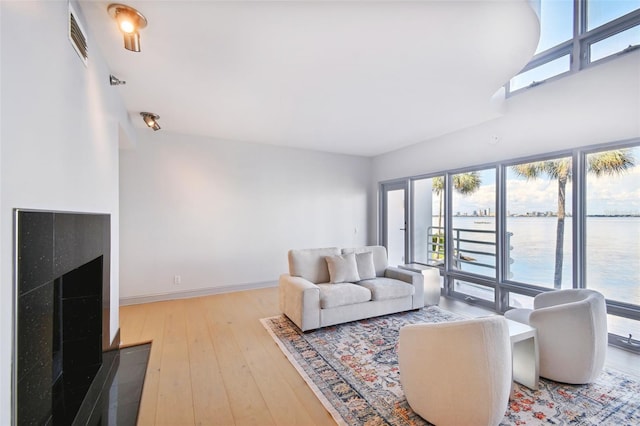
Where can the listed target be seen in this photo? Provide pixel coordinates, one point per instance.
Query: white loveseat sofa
(327, 286)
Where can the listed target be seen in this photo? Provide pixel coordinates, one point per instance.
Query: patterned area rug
(353, 369)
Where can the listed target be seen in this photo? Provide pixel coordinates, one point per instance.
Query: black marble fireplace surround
(63, 354)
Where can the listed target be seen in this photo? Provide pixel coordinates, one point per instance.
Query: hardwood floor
(213, 363)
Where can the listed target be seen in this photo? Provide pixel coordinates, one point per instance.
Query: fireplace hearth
(62, 348)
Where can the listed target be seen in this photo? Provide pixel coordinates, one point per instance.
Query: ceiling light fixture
(115, 81)
(129, 22)
(151, 120)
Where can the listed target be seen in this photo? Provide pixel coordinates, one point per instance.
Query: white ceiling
(353, 77)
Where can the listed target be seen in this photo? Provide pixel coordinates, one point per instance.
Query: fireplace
(62, 348)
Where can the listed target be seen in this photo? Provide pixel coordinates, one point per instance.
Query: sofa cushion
(380, 260)
(387, 288)
(333, 295)
(310, 264)
(366, 268)
(342, 268)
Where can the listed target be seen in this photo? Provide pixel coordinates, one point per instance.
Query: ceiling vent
(77, 35)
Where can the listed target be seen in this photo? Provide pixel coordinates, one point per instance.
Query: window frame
(500, 284)
(384, 189)
(615, 307)
(410, 252)
(579, 46)
(576, 223)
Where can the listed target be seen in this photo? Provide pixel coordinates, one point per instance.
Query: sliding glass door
(394, 224)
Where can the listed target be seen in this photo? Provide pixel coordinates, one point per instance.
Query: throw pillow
(366, 268)
(343, 268)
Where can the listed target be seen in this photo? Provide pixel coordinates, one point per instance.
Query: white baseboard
(136, 300)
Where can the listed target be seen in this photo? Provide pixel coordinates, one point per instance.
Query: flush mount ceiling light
(129, 22)
(151, 120)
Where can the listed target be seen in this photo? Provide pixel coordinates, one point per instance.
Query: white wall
(223, 214)
(597, 105)
(59, 141)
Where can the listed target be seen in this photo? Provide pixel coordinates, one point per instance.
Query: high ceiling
(353, 77)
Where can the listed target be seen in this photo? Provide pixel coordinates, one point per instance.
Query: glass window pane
(520, 301)
(556, 23)
(541, 73)
(539, 225)
(428, 225)
(623, 327)
(614, 44)
(474, 290)
(395, 226)
(600, 12)
(613, 224)
(473, 222)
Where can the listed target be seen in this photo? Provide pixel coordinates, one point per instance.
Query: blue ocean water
(612, 252)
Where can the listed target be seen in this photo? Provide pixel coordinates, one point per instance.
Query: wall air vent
(77, 36)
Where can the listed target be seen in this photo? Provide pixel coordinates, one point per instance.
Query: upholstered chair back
(457, 373)
(572, 334)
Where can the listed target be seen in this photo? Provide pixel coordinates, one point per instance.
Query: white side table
(524, 348)
(431, 281)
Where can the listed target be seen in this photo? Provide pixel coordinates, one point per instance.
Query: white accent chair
(457, 373)
(572, 333)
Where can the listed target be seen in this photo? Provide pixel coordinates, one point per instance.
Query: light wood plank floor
(213, 363)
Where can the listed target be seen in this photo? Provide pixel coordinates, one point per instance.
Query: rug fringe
(325, 402)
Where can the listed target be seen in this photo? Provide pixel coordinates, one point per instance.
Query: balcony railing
(474, 247)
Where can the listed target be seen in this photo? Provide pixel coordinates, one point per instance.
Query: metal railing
(470, 246)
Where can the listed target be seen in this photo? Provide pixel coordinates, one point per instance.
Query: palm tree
(465, 184)
(606, 163)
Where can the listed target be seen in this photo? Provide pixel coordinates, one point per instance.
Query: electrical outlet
(177, 279)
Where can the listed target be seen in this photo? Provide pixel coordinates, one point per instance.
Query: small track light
(115, 81)
(129, 22)
(151, 120)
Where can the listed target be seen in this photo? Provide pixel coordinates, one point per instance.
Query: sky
(556, 18)
(556, 26)
(606, 195)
